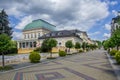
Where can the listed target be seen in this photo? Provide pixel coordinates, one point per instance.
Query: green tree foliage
(92, 46)
(45, 46)
(12, 47)
(4, 24)
(99, 44)
(5, 43)
(48, 44)
(84, 45)
(69, 44)
(115, 38)
(108, 44)
(77, 45)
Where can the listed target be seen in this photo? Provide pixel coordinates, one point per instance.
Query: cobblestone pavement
(93, 65)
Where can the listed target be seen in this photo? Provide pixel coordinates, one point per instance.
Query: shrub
(87, 49)
(117, 57)
(113, 52)
(80, 51)
(37, 49)
(62, 53)
(34, 57)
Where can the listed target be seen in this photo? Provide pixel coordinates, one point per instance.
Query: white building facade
(35, 32)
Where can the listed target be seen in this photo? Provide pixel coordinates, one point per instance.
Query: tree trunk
(78, 50)
(117, 47)
(51, 53)
(69, 50)
(108, 50)
(3, 62)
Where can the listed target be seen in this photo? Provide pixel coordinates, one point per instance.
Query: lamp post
(3, 63)
(2, 31)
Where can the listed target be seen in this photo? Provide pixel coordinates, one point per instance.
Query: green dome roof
(39, 24)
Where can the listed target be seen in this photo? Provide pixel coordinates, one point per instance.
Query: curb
(116, 68)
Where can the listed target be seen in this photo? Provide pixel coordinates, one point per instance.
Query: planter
(44, 55)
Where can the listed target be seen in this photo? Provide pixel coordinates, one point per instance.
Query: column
(28, 44)
(18, 46)
(32, 44)
(25, 44)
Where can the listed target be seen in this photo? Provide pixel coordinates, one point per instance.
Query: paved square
(92, 65)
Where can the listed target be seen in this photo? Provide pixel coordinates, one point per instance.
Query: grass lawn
(5, 68)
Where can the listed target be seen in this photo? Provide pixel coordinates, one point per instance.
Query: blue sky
(92, 16)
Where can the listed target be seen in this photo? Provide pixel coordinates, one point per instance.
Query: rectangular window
(31, 35)
(28, 36)
(35, 35)
(24, 36)
(38, 34)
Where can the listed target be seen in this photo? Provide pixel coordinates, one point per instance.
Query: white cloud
(17, 35)
(80, 14)
(65, 14)
(115, 12)
(113, 2)
(24, 22)
(95, 33)
(107, 27)
(27, 19)
(106, 35)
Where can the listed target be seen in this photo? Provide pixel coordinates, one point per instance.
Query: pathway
(93, 65)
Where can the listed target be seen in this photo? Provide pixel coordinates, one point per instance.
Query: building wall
(28, 43)
(32, 38)
(62, 40)
(34, 34)
(61, 43)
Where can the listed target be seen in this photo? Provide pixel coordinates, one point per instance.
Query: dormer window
(60, 33)
(59, 43)
(48, 35)
(53, 34)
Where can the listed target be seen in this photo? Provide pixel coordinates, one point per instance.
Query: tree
(69, 44)
(84, 45)
(13, 47)
(99, 44)
(108, 44)
(115, 38)
(44, 46)
(77, 45)
(4, 24)
(4, 45)
(48, 44)
(52, 43)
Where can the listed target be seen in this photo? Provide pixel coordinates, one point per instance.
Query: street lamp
(2, 31)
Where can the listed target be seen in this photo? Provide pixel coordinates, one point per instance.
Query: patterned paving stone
(87, 66)
(49, 76)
